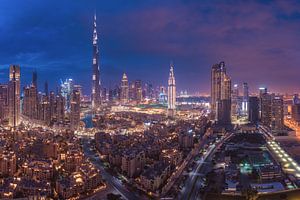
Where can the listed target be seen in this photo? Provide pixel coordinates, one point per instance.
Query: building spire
(96, 85)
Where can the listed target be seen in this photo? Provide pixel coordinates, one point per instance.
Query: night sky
(258, 40)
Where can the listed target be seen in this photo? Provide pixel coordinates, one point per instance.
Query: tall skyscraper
(3, 102)
(138, 92)
(124, 89)
(96, 84)
(245, 101)
(171, 92)
(235, 102)
(253, 114)
(14, 95)
(220, 94)
(66, 89)
(75, 110)
(60, 108)
(277, 122)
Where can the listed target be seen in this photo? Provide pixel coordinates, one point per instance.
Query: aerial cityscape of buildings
(136, 140)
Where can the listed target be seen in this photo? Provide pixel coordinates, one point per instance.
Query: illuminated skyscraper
(14, 95)
(66, 89)
(75, 110)
(220, 94)
(171, 92)
(60, 108)
(234, 102)
(277, 123)
(253, 114)
(245, 102)
(3, 102)
(124, 89)
(96, 84)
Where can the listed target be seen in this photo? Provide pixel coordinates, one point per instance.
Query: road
(193, 184)
(114, 182)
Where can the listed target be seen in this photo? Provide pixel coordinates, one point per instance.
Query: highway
(114, 182)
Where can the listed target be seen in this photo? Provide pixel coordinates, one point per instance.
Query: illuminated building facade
(253, 111)
(171, 92)
(14, 95)
(3, 102)
(220, 94)
(66, 89)
(96, 84)
(245, 102)
(124, 89)
(75, 110)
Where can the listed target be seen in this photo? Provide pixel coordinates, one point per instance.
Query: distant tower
(171, 93)
(124, 89)
(14, 95)
(96, 85)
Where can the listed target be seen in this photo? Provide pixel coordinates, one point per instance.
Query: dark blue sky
(258, 40)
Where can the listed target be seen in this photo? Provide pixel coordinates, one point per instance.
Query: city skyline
(195, 39)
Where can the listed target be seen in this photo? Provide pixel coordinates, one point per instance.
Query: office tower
(52, 105)
(148, 91)
(245, 101)
(14, 95)
(3, 101)
(171, 92)
(60, 108)
(253, 111)
(44, 109)
(96, 85)
(75, 110)
(124, 89)
(138, 90)
(132, 91)
(234, 102)
(46, 89)
(66, 89)
(25, 107)
(265, 108)
(296, 112)
(277, 123)
(30, 103)
(163, 97)
(220, 94)
(79, 89)
(262, 91)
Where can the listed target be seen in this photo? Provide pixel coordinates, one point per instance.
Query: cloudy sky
(258, 40)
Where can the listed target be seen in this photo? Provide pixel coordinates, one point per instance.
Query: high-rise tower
(14, 95)
(171, 92)
(245, 99)
(220, 94)
(96, 85)
(124, 89)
